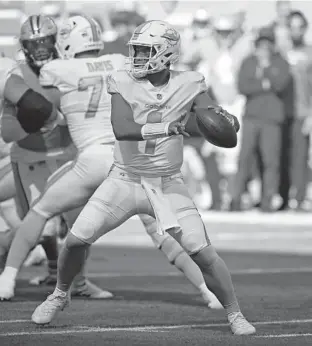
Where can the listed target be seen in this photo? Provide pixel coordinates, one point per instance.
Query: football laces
(224, 113)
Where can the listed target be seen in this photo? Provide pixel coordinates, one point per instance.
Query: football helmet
(79, 34)
(154, 46)
(38, 39)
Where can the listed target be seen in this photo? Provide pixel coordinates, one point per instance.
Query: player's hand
(232, 118)
(177, 127)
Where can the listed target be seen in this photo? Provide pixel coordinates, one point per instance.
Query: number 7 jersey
(85, 103)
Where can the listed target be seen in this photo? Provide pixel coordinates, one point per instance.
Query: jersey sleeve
(48, 76)
(8, 67)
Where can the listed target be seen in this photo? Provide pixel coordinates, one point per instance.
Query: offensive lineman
(37, 155)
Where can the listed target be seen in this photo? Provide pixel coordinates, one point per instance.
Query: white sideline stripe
(282, 336)
(251, 271)
(13, 321)
(86, 329)
(254, 218)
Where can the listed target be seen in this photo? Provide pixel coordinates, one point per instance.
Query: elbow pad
(33, 111)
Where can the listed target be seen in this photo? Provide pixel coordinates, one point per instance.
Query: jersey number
(96, 83)
(150, 145)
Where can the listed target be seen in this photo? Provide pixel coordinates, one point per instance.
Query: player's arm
(33, 110)
(124, 126)
(11, 130)
(126, 129)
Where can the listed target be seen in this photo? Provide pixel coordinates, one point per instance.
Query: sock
(217, 278)
(50, 246)
(26, 238)
(70, 263)
(80, 278)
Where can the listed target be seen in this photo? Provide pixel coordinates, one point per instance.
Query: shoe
(240, 326)
(45, 280)
(46, 311)
(212, 301)
(36, 258)
(7, 287)
(89, 290)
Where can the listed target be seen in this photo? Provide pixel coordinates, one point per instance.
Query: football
(216, 128)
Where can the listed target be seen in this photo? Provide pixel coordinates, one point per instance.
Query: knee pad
(73, 241)
(193, 237)
(171, 248)
(208, 254)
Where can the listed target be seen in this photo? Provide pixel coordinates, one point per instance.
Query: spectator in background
(229, 46)
(280, 25)
(123, 22)
(263, 77)
(295, 171)
(195, 39)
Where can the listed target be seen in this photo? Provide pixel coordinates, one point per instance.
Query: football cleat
(240, 326)
(89, 290)
(7, 287)
(46, 311)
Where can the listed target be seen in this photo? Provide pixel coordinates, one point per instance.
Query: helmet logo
(172, 36)
(65, 32)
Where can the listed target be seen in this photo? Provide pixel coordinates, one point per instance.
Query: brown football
(216, 128)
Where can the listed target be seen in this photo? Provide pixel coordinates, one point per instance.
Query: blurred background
(236, 45)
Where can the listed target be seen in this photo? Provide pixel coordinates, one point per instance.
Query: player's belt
(120, 173)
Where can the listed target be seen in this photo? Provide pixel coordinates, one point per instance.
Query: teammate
(147, 104)
(36, 156)
(86, 129)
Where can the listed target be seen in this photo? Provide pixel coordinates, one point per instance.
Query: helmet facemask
(148, 59)
(40, 51)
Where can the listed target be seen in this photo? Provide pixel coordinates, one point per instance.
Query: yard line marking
(151, 328)
(13, 321)
(283, 335)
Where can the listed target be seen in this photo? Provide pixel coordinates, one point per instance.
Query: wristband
(155, 130)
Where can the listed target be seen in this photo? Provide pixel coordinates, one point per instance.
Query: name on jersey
(105, 65)
(157, 106)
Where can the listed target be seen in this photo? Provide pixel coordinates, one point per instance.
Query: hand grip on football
(218, 126)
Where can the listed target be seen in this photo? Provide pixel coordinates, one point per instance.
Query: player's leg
(82, 287)
(112, 204)
(195, 241)
(34, 223)
(30, 180)
(7, 185)
(177, 256)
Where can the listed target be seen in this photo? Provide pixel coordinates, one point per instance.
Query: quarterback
(150, 104)
(35, 157)
(86, 107)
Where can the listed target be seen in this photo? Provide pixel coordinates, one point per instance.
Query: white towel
(165, 217)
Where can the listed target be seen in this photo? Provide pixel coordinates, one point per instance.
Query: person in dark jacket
(294, 170)
(263, 78)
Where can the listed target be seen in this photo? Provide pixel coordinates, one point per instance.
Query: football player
(90, 129)
(148, 117)
(37, 155)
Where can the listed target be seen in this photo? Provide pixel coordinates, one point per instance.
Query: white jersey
(163, 156)
(85, 103)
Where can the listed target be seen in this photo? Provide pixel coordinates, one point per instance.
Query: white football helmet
(79, 34)
(163, 42)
